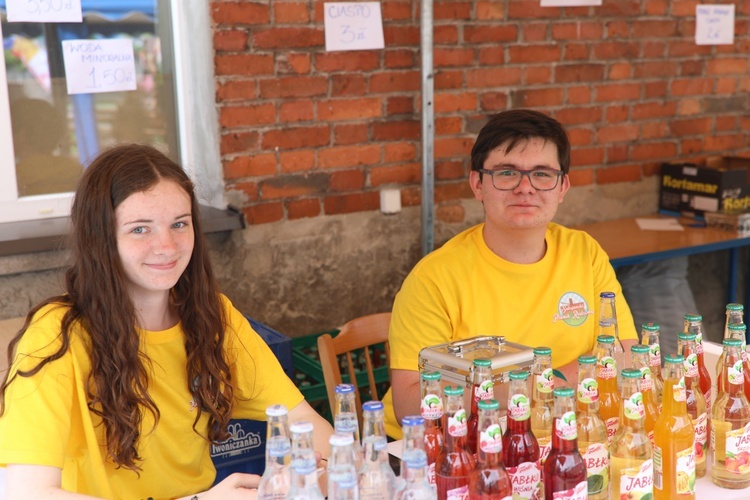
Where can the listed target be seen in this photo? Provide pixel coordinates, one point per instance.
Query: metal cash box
(454, 360)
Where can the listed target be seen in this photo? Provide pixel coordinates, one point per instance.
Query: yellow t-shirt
(47, 421)
(464, 290)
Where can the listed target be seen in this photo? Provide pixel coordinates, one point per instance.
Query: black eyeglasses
(508, 179)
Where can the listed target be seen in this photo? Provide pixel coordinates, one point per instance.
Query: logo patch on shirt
(572, 309)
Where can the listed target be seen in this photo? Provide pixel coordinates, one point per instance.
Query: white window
(47, 136)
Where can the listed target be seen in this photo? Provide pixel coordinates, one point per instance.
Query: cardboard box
(738, 222)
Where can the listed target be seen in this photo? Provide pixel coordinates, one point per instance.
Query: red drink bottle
(564, 470)
(455, 462)
(694, 324)
(482, 389)
(489, 480)
(432, 412)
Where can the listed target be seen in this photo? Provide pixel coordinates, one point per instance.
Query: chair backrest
(360, 334)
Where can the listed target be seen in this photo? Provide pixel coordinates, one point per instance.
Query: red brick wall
(307, 133)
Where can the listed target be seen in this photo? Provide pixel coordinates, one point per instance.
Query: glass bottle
(542, 400)
(630, 453)
(276, 480)
(730, 429)
(694, 324)
(345, 418)
(482, 389)
(342, 471)
(639, 355)
(432, 412)
(674, 440)
(608, 326)
(376, 478)
(520, 447)
(564, 470)
(738, 332)
(650, 337)
(695, 403)
(606, 378)
(304, 468)
(489, 479)
(734, 316)
(414, 461)
(455, 462)
(592, 431)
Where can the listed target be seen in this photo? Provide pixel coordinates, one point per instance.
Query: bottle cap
(518, 375)
(686, 336)
(607, 295)
(587, 359)
(341, 439)
(373, 406)
(482, 362)
(631, 373)
(276, 411)
(735, 307)
(650, 327)
(344, 389)
(565, 392)
(412, 420)
(301, 427)
(693, 317)
(674, 359)
(542, 351)
(453, 390)
(741, 327)
(605, 339)
(732, 342)
(639, 348)
(431, 376)
(488, 404)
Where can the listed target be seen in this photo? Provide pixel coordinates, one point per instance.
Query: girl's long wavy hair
(98, 300)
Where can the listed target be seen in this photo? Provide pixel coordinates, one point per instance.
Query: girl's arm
(36, 481)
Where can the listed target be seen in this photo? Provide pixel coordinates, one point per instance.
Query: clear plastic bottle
(489, 480)
(564, 471)
(482, 389)
(342, 471)
(608, 326)
(694, 400)
(432, 412)
(455, 462)
(376, 478)
(694, 325)
(592, 431)
(304, 468)
(650, 337)
(276, 481)
(414, 462)
(345, 419)
(606, 378)
(542, 400)
(639, 355)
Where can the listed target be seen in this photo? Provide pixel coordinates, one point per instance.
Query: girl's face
(154, 238)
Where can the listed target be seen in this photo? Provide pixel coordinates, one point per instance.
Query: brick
(238, 116)
(653, 151)
(399, 152)
(446, 79)
(728, 104)
(652, 90)
(450, 213)
(396, 11)
(587, 156)
(578, 95)
(285, 38)
(653, 110)
(263, 213)
(293, 63)
(395, 81)
(237, 90)
(299, 209)
(297, 161)
(293, 86)
(694, 126)
(576, 115)
(522, 9)
(493, 101)
(689, 107)
(617, 133)
(657, 7)
(399, 59)
(655, 69)
(453, 191)
(350, 203)
(445, 35)
(350, 109)
(572, 73)
(617, 29)
(617, 153)
(349, 134)
(447, 147)
(537, 75)
(726, 86)
(449, 125)
(291, 186)
(691, 68)
(345, 84)
(684, 8)
(230, 40)
(682, 48)
(620, 71)
(356, 60)
(491, 56)
(244, 64)
(490, 11)
(580, 136)
(654, 130)
(691, 86)
(577, 31)
(396, 130)
(726, 123)
(533, 98)
(724, 142)
(347, 180)
(240, 13)
(398, 36)
(653, 29)
(618, 92)
(296, 111)
(617, 113)
(654, 49)
(495, 77)
(238, 142)
(248, 189)
(534, 32)
(489, 33)
(290, 13)
(611, 175)
(411, 197)
(448, 170)
(534, 53)
(399, 105)
(410, 173)
(452, 10)
(451, 103)
(250, 166)
(297, 138)
(348, 156)
(581, 176)
(577, 52)
(616, 50)
(452, 57)
(733, 66)
(691, 146)
(621, 8)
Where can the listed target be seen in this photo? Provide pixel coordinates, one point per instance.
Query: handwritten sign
(353, 26)
(44, 11)
(714, 24)
(93, 66)
(570, 3)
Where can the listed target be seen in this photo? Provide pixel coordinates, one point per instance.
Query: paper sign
(44, 11)
(353, 26)
(659, 225)
(569, 3)
(99, 65)
(714, 24)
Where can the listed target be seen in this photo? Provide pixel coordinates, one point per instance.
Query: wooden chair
(358, 334)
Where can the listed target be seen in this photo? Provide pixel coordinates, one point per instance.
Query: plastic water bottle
(342, 473)
(345, 419)
(275, 482)
(414, 462)
(304, 468)
(376, 479)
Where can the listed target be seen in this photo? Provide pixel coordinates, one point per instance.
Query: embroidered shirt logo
(572, 309)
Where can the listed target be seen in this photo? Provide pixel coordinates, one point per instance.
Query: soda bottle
(482, 389)
(730, 418)
(376, 478)
(606, 378)
(608, 326)
(455, 462)
(694, 324)
(520, 447)
(639, 355)
(345, 419)
(650, 337)
(414, 461)
(276, 481)
(695, 403)
(738, 332)
(304, 468)
(489, 480)
(592, 431)
(632, 469)
(342, 472)
(564, 471)
(734, 316)
(674, 442)
(432, 412)
(542, 400)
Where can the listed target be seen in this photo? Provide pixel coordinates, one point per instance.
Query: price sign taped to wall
(93, 66)
(714, 24)
(44, 11)
(353, 26)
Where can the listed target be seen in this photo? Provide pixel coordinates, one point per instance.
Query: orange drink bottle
(592, 431)
(631, 464)
(734, 316)
(542, 401)
(730, 429)
(432, 412)
(674, 440)
(455, 462)
(564, 471)
(606, 378)
(694, 324)
(639, 354)
(489, 480)
(695, 403)
(482, 389)
(650, 337)
(520, 448)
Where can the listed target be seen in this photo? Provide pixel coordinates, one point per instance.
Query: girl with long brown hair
(117, 387)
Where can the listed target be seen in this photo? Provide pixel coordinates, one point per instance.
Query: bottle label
(520, 408)
(431, 407)
(491, 439)
(345, 425)
(577, 493)
(565, 426)
(588, 391)
(461, 493)
(278, 446)
(701, 437)
(606, 368)
(646, 381)
(678, 390)
(612, 425)
(734, 373)
(484, 391)
(457, 424)
(637, 481)
(634, 408)
(596, 458)
(654, 355)
(685, 480)
(545, 381)
(526, 480)
(545, 446)
(431, 473)
(691, 365)
(658, 468)
(738, 450)
(345, 479)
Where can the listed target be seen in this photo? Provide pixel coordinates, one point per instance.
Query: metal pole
(428, 129)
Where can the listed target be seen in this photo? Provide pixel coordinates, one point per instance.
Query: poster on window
(570, 3)
(353, 26)
(93, 66)
(44, 11)
(714, 24)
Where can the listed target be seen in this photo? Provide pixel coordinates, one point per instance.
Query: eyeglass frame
(524, 173)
